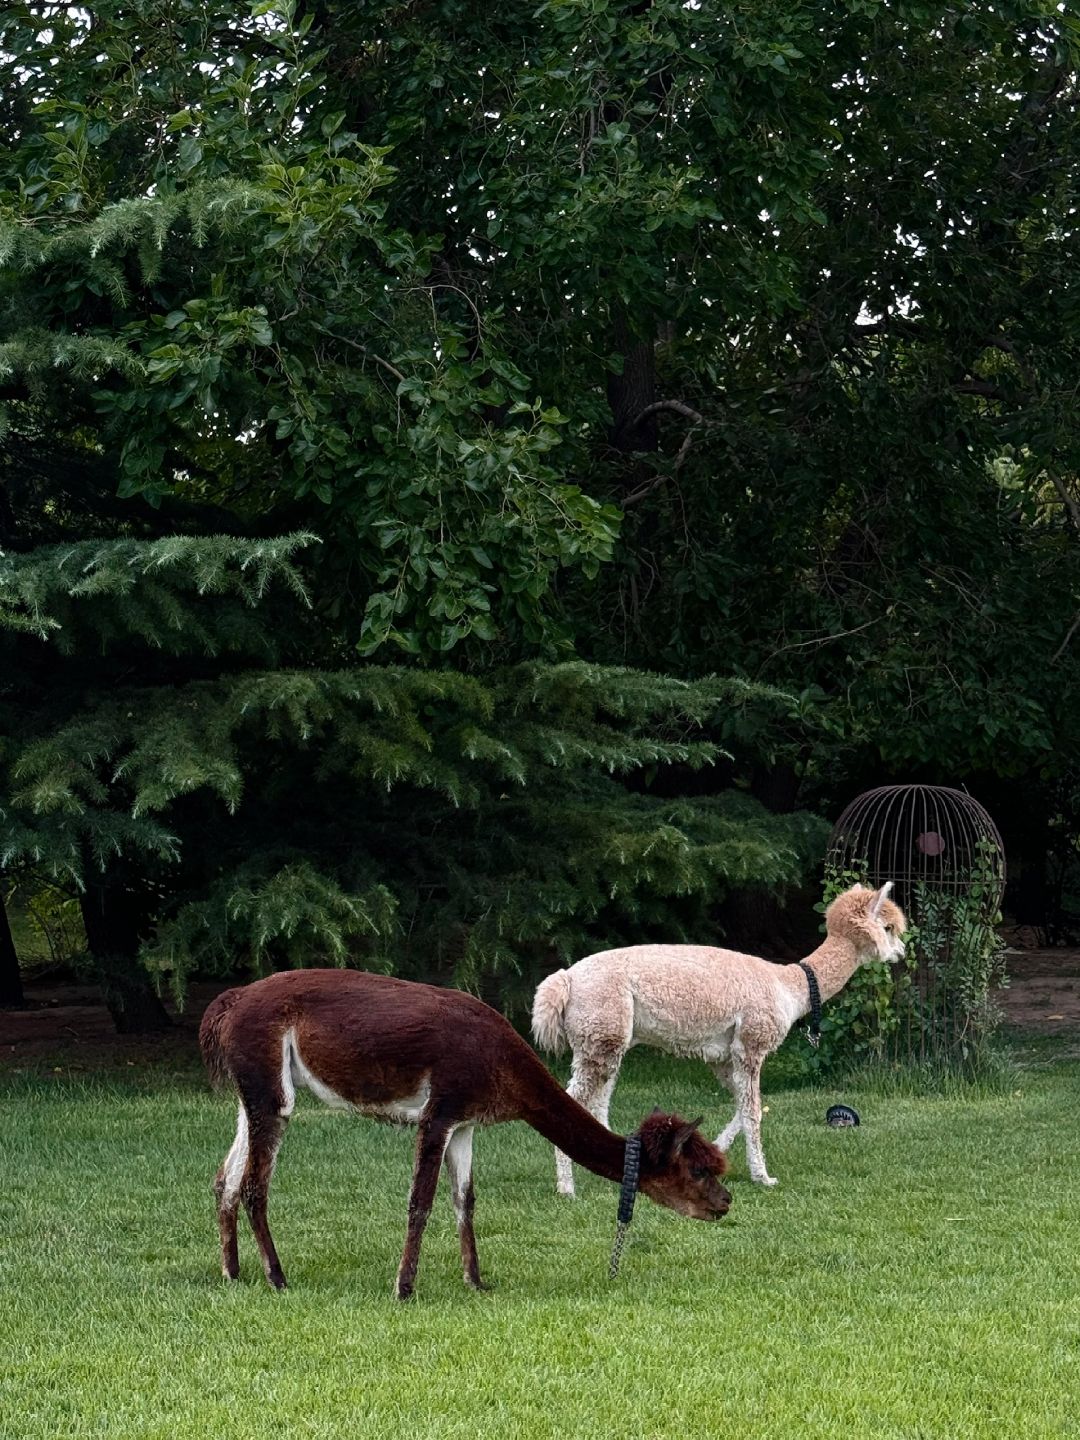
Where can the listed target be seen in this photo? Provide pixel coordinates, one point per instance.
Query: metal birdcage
(946, 860)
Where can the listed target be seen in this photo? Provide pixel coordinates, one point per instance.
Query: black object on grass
(839, 1115)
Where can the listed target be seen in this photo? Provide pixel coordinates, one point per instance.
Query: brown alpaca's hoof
(277, 1280)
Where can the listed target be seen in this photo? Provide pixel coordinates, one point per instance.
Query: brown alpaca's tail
(549, 1011)
(211, 1040)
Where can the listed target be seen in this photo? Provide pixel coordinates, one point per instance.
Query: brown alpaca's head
(870, 921)
(680, 1169)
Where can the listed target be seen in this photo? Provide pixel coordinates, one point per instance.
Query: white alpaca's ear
(879, 899)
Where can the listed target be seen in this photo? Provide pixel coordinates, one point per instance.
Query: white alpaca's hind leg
(724, 1072)
(591, 1084)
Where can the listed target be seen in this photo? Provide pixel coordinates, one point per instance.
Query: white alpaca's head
(870, 921)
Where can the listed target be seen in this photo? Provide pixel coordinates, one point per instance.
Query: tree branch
(1069, 501)
(676, 406)
(1068, 636)
(356, 345)
(975, 386)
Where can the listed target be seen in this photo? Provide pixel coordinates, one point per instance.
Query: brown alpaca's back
(369, 1041)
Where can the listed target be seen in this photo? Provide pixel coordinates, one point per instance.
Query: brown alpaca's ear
(682, 1135)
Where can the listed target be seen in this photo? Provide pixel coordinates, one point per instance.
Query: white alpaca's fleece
(728, 1009)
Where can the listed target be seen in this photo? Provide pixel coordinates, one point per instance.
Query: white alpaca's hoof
(763, 1179)
(567, 1190)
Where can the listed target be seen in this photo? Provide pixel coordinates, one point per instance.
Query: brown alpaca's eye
(699, 1174)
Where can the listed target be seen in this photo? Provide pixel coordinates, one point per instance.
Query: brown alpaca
(412, 1054)
(728, 1009)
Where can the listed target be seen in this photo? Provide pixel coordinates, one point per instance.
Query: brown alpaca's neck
(833, 962)
(545, 1105)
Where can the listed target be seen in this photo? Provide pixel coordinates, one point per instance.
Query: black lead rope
(813, 1030)
(627, 1196)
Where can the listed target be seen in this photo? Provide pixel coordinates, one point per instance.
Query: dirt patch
(65, 1027)
(1043, 993)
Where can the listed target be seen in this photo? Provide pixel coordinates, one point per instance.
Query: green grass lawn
(919, 1276)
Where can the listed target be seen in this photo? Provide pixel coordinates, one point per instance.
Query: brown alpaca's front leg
(430, 1144)
(459, 1167)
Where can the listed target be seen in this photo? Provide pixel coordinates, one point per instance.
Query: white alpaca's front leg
(564, 1174)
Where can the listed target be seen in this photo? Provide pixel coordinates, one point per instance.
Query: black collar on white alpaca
(627, 1196)
(813, 1030)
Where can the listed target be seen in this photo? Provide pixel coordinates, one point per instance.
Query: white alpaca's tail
(549, 1010)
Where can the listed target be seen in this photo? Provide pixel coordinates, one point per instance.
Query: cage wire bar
(945, 857)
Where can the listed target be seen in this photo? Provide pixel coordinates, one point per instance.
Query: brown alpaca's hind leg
(265, 1132)
(459, 1169)
(430, 1145)
(227, 1190)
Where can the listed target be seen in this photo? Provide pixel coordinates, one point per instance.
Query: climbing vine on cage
(953, 1012)
(857, 1023)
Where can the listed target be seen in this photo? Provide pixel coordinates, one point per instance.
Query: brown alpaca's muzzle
(715, 1204)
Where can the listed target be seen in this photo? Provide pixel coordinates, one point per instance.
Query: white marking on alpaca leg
(750, 1105)
(235, 1161)
(288, 1089)
(458, 1157)
(724, 1072)
(591, 1084)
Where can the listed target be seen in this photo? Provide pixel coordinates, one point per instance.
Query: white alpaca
(728, 1009)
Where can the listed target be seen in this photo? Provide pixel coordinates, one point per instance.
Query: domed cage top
(921, 837)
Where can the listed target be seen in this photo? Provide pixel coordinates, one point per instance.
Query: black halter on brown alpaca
(628, 1192)
(627, 1196)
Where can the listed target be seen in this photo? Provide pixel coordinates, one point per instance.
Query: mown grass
(919, 1276)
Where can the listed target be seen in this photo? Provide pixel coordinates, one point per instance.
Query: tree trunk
(115, 918)
(11, 990)
(635, 389)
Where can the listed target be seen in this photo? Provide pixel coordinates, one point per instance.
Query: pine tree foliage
(258, 919)
(435, 823)
(241, 290)
(148, 591)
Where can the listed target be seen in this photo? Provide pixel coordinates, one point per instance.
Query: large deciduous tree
(734, 337)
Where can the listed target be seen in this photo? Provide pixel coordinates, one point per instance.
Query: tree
(11, 988)
(213, 811)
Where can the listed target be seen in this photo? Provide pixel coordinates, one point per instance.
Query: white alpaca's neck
(833, 962)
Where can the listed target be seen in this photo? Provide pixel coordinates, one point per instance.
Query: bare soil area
(1043, 994)
(65, 1027)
